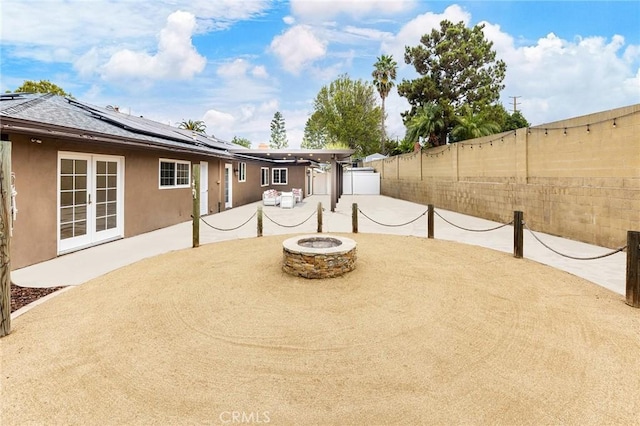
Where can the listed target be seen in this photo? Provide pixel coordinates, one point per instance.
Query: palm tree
(471, 126)
(384, 73)
(195, 126)
(427, 123)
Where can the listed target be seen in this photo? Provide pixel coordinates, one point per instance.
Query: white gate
(361, 182)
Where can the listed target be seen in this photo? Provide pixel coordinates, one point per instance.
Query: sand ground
(422, 332)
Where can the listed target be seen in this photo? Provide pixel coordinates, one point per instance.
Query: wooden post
(429, 220)
(633, 269)
(195, 188)
(5, 234)
(354, 218)
(518, 237)
(334, 183)
(259, 221)
(319, 218)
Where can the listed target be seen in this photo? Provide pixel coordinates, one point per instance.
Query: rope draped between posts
(618, 250)
(227, 229)
(391, 225)
(473, 230)
(289, 226)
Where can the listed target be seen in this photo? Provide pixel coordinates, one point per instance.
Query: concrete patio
(79, 267)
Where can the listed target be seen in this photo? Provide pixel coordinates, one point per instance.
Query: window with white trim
(174, 174)
(264, 176)
(242, 172)
(279, 176)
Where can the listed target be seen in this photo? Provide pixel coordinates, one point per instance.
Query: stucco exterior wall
(248, 191)
(147, 207)
(578, 178)
(35, 229)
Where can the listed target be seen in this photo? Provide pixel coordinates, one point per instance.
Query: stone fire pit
(318, 256)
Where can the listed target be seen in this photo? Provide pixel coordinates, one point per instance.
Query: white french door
(204, 188)
(228, 189)
(90, 200)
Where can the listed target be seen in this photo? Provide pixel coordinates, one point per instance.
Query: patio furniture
(297, 194)
(287, 200)
(271, 197)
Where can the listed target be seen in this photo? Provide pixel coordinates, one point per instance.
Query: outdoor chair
(271, 197)
(297, 194)
(287, 200)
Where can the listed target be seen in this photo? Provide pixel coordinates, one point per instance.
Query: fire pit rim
(291, 245)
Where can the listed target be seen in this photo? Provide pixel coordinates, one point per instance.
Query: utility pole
(515, 103)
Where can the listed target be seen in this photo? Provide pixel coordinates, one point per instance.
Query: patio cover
(295, 156)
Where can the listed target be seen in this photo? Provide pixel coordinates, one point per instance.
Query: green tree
(315, 136)
(402, 147)
(426, 124)
(347, 113)
(278, 133)
(241, 141)
(384, 74)
(471, 126)
(195, 126)
(457, 67)
(499, 115)
(515, 121)
(42, 86)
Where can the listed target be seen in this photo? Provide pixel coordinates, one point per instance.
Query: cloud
(259, 72)
(236, 68)
(298, 48)
(58, 23)
(556, 78)
(176, 57)
(410, 34)
(314, 10)
(367, 33)
(239, 68)
(220, 124)
(222, 14)
(252, 121)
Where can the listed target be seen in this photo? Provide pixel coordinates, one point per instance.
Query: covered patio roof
(293, 155)
(331, 156)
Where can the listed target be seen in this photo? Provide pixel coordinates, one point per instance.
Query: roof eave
(16, 125)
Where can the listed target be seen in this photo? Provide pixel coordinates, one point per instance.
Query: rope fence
(290, 226)
(632, 248)
(473, 230)
(392, 225)
(618, 250)
(227, 229)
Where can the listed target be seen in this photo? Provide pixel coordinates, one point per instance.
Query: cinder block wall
(577, 178)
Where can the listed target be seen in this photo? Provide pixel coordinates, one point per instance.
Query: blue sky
(234, 63)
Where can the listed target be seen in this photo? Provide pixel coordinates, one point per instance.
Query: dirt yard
(422, 332)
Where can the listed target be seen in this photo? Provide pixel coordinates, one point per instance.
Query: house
(86, 175)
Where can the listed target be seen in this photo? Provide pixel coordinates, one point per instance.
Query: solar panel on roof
(4, 96)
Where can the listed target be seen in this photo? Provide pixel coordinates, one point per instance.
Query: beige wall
(579, 184)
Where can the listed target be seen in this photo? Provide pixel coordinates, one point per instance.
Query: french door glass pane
(106, 194)
(73, 198)
(226, 185)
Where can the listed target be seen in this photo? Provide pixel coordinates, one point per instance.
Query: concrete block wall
(577, 178)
